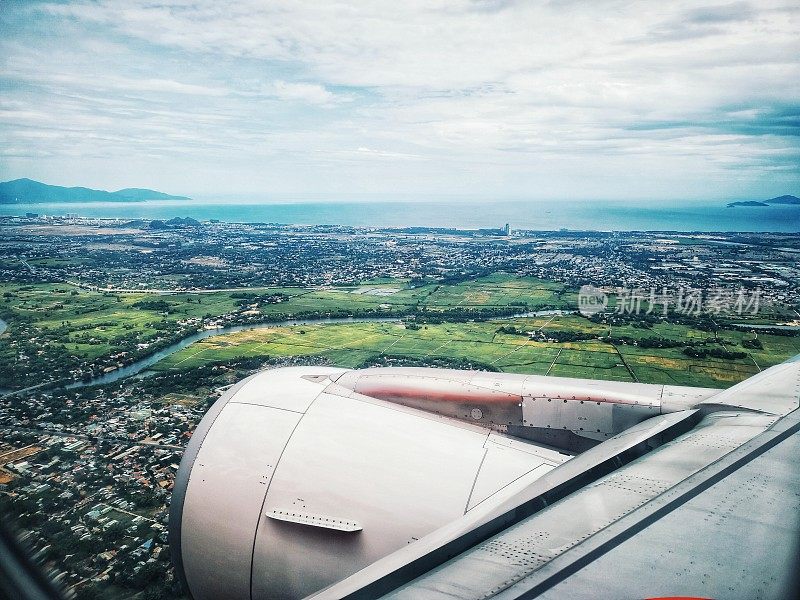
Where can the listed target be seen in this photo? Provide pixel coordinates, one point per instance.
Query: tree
(153, 593)
(89, 592)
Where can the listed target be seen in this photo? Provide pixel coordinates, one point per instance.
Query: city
(92, 427)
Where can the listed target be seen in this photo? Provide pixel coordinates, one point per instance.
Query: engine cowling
(292, 482)
(299, 477)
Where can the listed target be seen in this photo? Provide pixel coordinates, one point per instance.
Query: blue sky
(474, 99)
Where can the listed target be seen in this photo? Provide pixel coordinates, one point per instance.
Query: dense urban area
(116, 336)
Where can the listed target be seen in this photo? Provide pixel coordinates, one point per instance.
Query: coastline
(682, 217)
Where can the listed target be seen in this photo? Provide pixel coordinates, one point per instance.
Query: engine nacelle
(292, 482)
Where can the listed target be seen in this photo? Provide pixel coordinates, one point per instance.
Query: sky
(431, 99)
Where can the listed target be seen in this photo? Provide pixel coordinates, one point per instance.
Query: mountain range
(787, 199)
(28, 191)
(20, 191)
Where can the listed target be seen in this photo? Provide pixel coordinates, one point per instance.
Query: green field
(56, 330)
(55, 305)
(479, 343)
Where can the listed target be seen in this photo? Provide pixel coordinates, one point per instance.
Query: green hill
(21, 191)
(787, 199)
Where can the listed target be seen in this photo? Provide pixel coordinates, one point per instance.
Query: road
(27, 389)
(97, 288)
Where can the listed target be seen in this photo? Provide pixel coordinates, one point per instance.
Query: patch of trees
(511, 330)
(154, 305)
(562, 336)
(442, 362)
(770, 331)
(463, 314)
(695, 352)
(648, 342)
(464, 276)
(754, 344)
(247, 298)
(642, 320)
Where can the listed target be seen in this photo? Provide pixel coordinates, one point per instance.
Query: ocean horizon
(598, 215)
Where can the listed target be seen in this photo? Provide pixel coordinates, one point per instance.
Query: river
(780, 327)
(140, 365)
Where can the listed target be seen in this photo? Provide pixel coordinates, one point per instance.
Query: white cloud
(310, 93)
(621, 88)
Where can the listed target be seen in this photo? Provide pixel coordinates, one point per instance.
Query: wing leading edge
(697, 503)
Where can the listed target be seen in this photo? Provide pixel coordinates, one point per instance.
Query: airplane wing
(442, 484)
(712, 511)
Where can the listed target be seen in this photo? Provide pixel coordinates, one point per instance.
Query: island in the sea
(786, 199)
(20, 191)
(747, 203)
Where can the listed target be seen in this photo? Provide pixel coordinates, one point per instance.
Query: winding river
(142, 364)
(780, 327)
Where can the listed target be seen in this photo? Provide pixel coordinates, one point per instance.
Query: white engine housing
(292, 482)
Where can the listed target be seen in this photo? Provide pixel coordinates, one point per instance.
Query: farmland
(61, 331)
(64, 331)
(480, 345)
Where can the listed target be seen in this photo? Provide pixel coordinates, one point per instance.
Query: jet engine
(298, 477)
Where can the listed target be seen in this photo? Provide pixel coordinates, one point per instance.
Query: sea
(594, 215)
